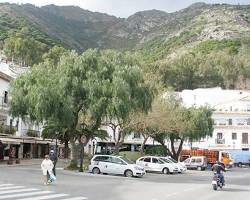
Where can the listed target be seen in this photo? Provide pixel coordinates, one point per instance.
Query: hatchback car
(155, 164)
(110, 164)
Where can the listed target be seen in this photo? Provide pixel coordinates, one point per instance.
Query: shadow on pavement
(234, 190)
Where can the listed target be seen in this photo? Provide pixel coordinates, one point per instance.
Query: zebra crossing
(18, 192)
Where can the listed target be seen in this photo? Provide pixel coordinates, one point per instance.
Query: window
(11, 123)
(230, 121)
(198, 160)
(155, 160)
(17, 123)
(117, 161)
(147, 159)
(193, 160)
(165, 160)
(248, 107)
(244, 138)
(5, 100)
(137, 135)
(234, 136)
(219, 136)
(102, 158)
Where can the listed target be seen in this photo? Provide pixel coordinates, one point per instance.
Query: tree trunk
(176, 154)
(73, 154)
(117, 146)
(66, 144)
(143, 145)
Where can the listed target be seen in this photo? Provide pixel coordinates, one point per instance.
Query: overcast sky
(125, 8)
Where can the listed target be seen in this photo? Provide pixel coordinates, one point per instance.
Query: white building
(24, 139)
(231, 117)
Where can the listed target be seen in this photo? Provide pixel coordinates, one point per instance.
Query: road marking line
(11, 187)
(4, 185)
(24, 194)
(169, 195)
(16, 191)
(76, 198)
(46, 197)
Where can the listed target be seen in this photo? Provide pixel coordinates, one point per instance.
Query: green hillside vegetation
(200, 46)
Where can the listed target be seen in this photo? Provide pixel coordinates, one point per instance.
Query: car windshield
(127, 160)
(165, 160)
(173, 160)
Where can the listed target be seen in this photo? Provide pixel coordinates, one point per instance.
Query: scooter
(216, 182)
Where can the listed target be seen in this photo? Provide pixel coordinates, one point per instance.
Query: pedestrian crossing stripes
(19, 192)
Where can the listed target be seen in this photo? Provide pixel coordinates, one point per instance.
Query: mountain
(81, 29)
(203, 45)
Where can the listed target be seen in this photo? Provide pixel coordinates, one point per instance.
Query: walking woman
(47, 167)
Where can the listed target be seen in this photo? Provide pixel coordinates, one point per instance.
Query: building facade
(19, 139)
(231, 116)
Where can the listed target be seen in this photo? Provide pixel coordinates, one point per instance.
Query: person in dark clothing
(1, 150)
(219, 168)
(53, 158)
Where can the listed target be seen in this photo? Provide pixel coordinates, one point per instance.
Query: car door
(105, 164)
(117, 166)
(156, 165)
(146, 163)
(193, 163)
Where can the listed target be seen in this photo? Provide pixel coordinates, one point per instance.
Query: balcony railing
(9, 130)
(32, 133)
(219, 141)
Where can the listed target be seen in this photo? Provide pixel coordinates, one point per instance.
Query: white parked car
(110, 164)
(181, 167)
(155, 164)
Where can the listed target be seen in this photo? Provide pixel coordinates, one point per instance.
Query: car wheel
(199, 168)
(128, 173)
(165, 171)
(96, 170)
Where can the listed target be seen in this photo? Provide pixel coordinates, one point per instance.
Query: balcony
(219, 141)
(4, 129)
(32, 133)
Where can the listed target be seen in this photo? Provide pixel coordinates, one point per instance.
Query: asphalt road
(25, 183)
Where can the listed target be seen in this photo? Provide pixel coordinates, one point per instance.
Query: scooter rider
(219, 167)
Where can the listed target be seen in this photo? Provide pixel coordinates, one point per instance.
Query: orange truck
(211, 155)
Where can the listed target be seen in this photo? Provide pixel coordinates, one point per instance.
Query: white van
(109, 164)
(196, 162)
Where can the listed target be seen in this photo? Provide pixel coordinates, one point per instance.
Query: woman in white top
(47, 166)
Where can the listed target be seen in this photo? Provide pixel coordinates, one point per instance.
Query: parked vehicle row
(110, 164)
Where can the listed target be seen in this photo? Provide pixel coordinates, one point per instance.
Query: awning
(10, 141)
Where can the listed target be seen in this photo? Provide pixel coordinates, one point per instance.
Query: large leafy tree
(126, 93)
(177, 124)
(80, 90)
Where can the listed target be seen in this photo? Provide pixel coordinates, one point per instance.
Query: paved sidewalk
(28, 162)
